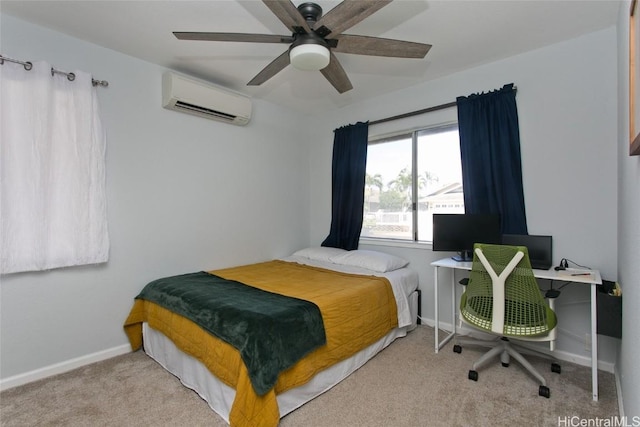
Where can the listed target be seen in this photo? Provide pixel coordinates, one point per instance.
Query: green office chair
(502, 298)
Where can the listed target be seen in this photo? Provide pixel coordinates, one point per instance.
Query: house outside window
(411, 176)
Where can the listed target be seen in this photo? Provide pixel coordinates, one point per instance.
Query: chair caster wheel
(473, 375)
(556, 368)
(457, 349)
(544, 391)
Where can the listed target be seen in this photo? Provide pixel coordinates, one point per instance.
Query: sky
(438, 153)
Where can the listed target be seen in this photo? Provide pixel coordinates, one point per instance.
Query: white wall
(567, 102)
(628, 233)
(184, 194)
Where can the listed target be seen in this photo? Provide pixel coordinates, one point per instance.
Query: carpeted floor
(405, 385)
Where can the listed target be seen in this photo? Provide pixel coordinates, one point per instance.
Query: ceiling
(464, 34)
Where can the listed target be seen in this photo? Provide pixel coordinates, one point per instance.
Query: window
(410, 177)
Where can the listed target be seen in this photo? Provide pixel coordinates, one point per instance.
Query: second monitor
(539, 248)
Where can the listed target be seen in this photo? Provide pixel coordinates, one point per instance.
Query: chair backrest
(503, 296)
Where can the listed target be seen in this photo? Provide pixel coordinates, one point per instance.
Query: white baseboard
(619, 393)
(62, 367)
(583, 361)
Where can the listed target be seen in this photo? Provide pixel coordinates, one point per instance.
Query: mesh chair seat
(518, 322)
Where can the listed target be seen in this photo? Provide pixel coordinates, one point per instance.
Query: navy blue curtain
(348, 178)
(490, 152)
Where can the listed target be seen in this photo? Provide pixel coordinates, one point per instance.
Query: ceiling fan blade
(233, 37)
(277, 65)
(376, 46)
(336, 75)
(346, 15)
(288, 14)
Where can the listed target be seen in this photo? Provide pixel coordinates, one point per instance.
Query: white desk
(593, 280)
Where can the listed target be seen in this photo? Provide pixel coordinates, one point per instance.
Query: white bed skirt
(194, 375)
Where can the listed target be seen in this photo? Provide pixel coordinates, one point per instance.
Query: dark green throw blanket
(271, 331)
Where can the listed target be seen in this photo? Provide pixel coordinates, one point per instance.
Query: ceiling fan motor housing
(309, 51)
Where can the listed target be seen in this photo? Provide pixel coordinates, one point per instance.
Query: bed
(366, 300)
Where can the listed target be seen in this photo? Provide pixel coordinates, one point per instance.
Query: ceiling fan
(315, 37)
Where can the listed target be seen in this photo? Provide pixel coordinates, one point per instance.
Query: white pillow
(319, 253)
(371, 260)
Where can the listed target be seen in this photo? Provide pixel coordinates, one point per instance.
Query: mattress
(220, 397)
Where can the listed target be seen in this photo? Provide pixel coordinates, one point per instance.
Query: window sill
(395, 243)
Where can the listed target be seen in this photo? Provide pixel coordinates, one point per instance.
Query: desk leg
(440, 344)
(454, 303)
(594, 342)
(435, 299)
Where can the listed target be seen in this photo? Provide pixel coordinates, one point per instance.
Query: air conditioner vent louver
(202, 99)
(186, 106)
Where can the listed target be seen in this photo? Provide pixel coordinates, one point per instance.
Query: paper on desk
(576, 272)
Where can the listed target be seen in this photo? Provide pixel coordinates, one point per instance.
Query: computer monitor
(539, 248)
(459, 232)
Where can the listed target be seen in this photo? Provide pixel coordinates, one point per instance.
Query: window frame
(413, 134)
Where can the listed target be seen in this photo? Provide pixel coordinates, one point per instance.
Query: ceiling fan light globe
(309, 57)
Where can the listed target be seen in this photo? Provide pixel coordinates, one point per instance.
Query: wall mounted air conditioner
(204, 100)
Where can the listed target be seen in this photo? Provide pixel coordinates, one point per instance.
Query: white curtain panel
(52, 169)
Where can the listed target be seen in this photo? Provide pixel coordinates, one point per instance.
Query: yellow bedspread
(356, 310)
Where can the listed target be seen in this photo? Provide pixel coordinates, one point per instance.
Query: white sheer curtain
(52, 171)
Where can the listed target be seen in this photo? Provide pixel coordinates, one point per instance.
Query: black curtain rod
(416, 113)
(413, 113)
